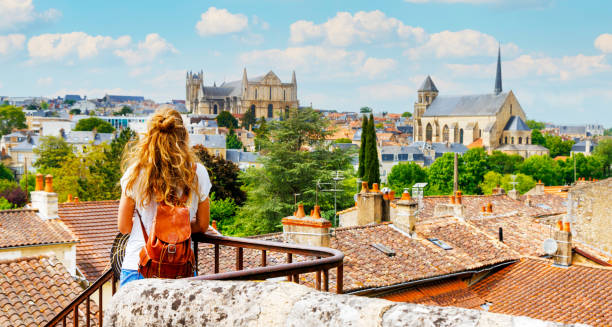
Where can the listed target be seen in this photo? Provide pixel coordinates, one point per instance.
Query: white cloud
(463, 43)
(507, 3)
(59, 46)
(345, 29)
(375, 66)
(220, 21)
(17, 13)
(261, 23)
(11, 43)
(45, 81)
(388, 90)
(604, 43)
(564, 68)
(147, 50)
(168, 78)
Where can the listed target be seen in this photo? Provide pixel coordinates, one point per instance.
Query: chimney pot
(458, 197)
(391, 195)
(375, 188)
(312, 213)
(566, 227)
(484, 209)
(451, 199)
(69, 198)
(214, 224)
(364, 187)
(559, 225)
(317, 212)
(49, 184)
(76, 199)
(490, 207)
(39, 182)
(405, 195)
(300, 212)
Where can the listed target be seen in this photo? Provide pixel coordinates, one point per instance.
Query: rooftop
(23, 227)
(466, 105)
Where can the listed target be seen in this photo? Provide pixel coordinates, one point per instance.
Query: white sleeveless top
(147, 212)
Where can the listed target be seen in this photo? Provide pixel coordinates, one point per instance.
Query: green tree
(372, 165)
(248, 119)
(604, 151)
(223, 211)
(586, 166)
(537, 137)
(287, 170)
(365, 110)
(6, 184)
(362, 147)
(28, 183)
(6, 173)
(75, 111)
(404, 175)
(557, 146)
(407, 114)
(125, 110)
(69, 103)
(542, 168)
(44, 105)
(608, 132)
(535, 124)
(503, 163)
(343, 140)
(5, 204)
(232, 141)
(492, 179)
(224, 176)
(441, 173)
(52, 152)
(226, 119)
(11, 118)
(475, 161)
(89, 124)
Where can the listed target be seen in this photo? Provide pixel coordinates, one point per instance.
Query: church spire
(293, 81)
(498, 77)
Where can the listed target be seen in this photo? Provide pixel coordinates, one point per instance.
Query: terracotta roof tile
(95, 223)
(34, 290)
(23, 227)
(535, 288)
(448, 292)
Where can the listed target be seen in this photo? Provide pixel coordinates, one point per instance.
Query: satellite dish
(386, 190)
(550, 246)
(355, 197)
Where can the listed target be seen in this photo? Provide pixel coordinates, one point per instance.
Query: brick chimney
(370, 205)
(307, 230)
(44, 200)
(405, 215)
(514, 194)
(563, 236)
(454, 207)
(539, 188)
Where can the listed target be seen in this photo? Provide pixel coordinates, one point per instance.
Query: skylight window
(389, 252)
(440, 243)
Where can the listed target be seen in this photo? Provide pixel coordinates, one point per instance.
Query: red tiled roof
(23, 227)
(33, 290)
(415, 258)
(537, 289)
(453, 292)
(95, 223)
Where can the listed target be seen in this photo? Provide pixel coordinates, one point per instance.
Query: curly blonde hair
(163, 161)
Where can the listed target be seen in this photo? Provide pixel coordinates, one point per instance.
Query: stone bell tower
(193, 84)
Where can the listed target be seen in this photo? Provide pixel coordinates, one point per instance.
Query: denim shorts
(129, 275)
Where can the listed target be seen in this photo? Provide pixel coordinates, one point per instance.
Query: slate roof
(34, 289)
(237, 156)
(23, 227)
(515, 123)
(537, 289)
(72, 97)
(581, 147)
(521, 147)
(206, 140)
(85, 137)
(572, 130)
(95, 223)
(26, 145)
(428, 85)
(466, 105)
(123, 98)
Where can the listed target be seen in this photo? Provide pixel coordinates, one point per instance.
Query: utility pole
(574, 167)
(455, 175)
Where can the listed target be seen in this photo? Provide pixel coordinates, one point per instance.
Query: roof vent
(440, 243)
(384, 249)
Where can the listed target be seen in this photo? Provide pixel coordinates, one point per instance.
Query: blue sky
(557, 54)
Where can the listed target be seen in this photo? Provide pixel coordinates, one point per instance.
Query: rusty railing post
(239, 257)
(339, 278)
(326, 280)
(264, 258)
(216, 258)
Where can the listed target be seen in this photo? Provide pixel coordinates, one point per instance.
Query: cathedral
(494, 121)
(266, 96)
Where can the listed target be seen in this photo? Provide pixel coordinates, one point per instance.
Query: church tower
(425, 96)
(193, 84)
(498, 77)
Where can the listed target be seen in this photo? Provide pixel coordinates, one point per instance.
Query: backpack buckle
(171, 248)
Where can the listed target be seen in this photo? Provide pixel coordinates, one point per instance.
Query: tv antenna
(514, 182)
(337, 177)
(417, 193)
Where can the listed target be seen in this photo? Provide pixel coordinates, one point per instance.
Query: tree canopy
(224, 176)
(535, 124)
(407, 114)
(232, 141)
(248, 119)
(52, 152)
(404, 175)
(371, 172)
(125, 110)
(226, 119)
(11, 118)
(89, 124)
(365, 110)
(362, 148)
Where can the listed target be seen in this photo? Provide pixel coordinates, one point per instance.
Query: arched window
(456, 134)
(284, 95)
(506, 140)
(255, 93)
(520, 140)
(215, 109)
(461, 136)
(513, 140)
(527, 140)
(270, 111)
(270, 92)
(253, 109)
(511, 109)
(428, 133)
(445, 134)
(427, 98)
(419, 131)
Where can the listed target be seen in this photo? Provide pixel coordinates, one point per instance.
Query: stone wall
(156, 302)
(592, 208)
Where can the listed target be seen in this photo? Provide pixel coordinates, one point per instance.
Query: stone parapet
(157, 302)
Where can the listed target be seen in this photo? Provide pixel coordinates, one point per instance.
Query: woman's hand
(126, 214)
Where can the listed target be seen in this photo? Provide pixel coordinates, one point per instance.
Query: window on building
(255, 93)
(402, 157)
(270, 92)
(513, 140)
(427, 98)
(445, 136)
(506, 140)
(520, 140)
(387, 157)
(511, 109)
(527, 140)
(428, 133)
(284, 95)
(461, 136)
(270, 111)
(253, 109)
(215, 109)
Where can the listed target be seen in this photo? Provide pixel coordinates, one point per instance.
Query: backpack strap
(144, 231)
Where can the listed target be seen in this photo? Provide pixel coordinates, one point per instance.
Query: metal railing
(317, 260)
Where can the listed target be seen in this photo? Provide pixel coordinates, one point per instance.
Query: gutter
(426, 280)
(39, 244)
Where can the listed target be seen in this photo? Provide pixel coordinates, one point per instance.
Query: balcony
(298, 260)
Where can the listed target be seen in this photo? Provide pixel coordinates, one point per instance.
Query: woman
(160, 169)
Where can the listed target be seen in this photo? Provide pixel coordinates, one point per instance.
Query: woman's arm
(126, 213)
(200, 225)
